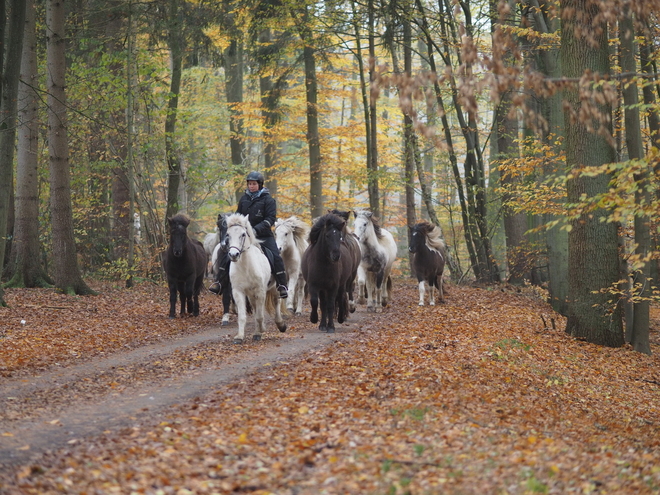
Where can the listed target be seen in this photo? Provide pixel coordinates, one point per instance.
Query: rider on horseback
(260, 208)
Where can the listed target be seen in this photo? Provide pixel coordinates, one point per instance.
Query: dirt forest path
(63, 406)
(483, 394)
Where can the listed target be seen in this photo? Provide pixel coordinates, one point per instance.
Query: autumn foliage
(484, 394)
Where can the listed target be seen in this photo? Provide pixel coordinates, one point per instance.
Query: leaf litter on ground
(473, 396)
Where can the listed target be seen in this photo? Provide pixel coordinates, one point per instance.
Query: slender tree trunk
(372, 166)
(234, 66)
(313, 139)
(27, 270)
(505, 133)
(173, 161)
(639, 337)
(594, 314)
(65, 264)
(8, 109)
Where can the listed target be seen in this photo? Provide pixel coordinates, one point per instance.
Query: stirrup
(283, 291)
(215, 288)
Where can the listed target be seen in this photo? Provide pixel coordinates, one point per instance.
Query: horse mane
(297, 226)
(179, 219)
(242, 221)
(433, 235)
(374, 221)
(328, 219)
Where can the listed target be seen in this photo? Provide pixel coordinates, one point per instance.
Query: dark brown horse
(327, 267)
(428, 250)
(185, 266)
(356, 255)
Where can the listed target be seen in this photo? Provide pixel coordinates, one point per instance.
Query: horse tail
(272, 300)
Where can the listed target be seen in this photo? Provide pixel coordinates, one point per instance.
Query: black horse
(185, 266)
(327, 267)
(428, 261)
(356, 255)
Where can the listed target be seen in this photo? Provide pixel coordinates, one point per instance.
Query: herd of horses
(328, 263)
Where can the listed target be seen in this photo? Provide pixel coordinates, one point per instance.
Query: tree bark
(8, 109)
(639, 330)
(26, 267)
(65, 264)
(174, 176)
(593, 314)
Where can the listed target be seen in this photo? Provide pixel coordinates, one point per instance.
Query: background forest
(526, 129)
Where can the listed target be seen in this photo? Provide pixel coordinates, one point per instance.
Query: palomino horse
(327, 269)
(291, 238)
(378, 255)
(428, 250)
(185, 266)
(250, 277)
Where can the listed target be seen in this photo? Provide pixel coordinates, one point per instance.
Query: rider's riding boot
(216, 287)
(280, 279)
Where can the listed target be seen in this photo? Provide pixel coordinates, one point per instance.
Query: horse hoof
(421, 304)
(238, 341)
(282, 327)
(256, 336)
(330, 330)
(298, 313)
(314, 319)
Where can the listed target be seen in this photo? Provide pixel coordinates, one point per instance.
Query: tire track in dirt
(49, 411)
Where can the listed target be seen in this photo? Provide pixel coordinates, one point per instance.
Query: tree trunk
(8, 109)
(593, 314)
(65, 264)
(639, 337)
(372, 165)
(27, 270)
(174, 177)
(313, 139)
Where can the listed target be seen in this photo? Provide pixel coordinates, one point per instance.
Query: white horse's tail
(273, 299)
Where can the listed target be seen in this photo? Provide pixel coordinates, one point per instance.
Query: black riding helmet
(258, 176)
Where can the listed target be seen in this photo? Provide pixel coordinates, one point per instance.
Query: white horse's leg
(431, 295)
(275, 299)
(299, 295)
(290, 301)
(371, 293)
(225, 319)
(258, 308)
(361, 284)
(422, 291)
(241, 309)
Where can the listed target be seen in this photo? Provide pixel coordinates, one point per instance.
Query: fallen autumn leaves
(474, 396)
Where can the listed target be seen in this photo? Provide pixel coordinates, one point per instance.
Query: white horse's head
(362, 223)
(240, 236)
(289, 233)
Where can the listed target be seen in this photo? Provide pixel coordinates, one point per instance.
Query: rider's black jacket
(261, 209)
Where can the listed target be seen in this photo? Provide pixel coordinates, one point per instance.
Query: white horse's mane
(297, 226)
(434, 239)
(242, 221)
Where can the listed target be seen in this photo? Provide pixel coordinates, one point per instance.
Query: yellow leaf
(7, 434)
(303, 410)
(242, 439)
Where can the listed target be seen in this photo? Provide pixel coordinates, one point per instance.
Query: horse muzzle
(234, 253)
(177, 253)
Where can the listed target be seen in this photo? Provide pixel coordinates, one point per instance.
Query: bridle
(240, 249)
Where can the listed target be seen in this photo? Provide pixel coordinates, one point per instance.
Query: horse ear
(368, 214)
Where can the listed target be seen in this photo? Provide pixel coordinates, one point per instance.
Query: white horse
(291, 237)
(378, 255)
(250, 277)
